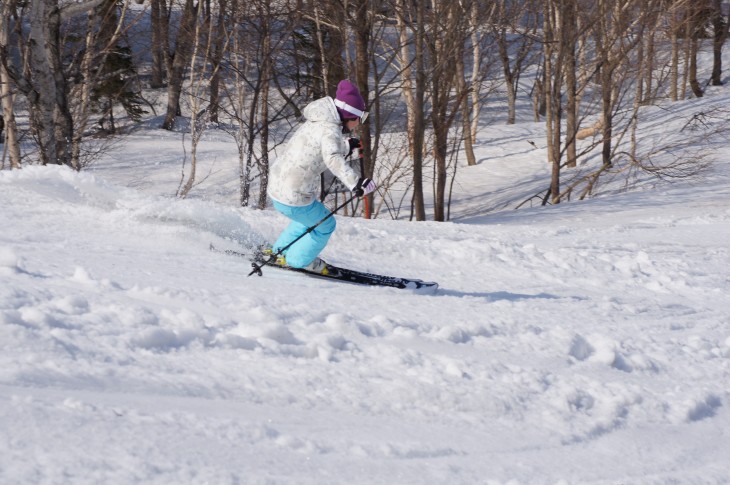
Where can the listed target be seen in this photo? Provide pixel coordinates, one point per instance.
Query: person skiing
(294, 177)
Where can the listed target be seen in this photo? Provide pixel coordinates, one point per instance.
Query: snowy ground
(582, 344)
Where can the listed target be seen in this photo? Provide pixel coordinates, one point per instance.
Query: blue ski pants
(303, 252)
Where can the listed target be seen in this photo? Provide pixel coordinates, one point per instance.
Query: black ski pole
(272, 259)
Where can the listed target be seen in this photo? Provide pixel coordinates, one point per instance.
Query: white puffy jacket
(316, 146)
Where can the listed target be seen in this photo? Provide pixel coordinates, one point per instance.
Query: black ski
(347, 275)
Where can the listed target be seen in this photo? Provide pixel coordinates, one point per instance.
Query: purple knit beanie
(349, 103)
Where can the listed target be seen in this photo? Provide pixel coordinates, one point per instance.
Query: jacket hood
(323, 109)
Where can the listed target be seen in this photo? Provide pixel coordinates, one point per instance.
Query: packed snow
(581, 343)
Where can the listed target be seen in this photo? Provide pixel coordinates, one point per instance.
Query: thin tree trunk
(648, 63)
(569, 31)
(674, 69)
(324, 65)
(461, 87)
(263, 122)
(43, 95)
(509, 78)
(158, 47)
(687, 54)
(552, 88)
(197, 126)
(419, 122)
(475, 68)
(407, 77)
(362, 74)
(11, 145)
(694, 28)
(720, 26)
(693, 82)
(215, 78)
(183, 49)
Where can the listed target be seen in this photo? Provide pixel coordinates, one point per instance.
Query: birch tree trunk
(197, 116)
(39, 74)
(476, 104)
(553, 77)
(11, 145)
(264, 121)
(413, 86)
(42, 92)
(569, 34)
(406, 74)
(462, 87)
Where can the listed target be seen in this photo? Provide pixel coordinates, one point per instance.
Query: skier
(294, 177)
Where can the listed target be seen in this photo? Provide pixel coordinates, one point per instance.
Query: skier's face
(352, 124)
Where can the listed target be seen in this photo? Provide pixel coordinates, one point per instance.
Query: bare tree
(325, 20)
(472, 84)
(554, 60)
(645, 89)
(721, 28)
(515, 28)
(219, 45)
(9, 129)
(362, 25)
(268, 50)
(569, 32)
(476, 77)
(698, 15)
(105, 67)
(619, 30)
(258, 38)
(38, 73)
(198, 85)
(159, 23)
(184, 45)
(410, 23)
(446, 35)
(680, 28)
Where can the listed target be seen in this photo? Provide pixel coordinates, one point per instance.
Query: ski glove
(364, 186)
(354, 143)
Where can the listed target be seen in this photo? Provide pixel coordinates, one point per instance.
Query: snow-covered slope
(585, 343)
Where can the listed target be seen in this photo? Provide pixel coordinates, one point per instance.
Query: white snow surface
(582, 343)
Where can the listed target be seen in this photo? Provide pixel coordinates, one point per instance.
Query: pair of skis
(336, 273)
